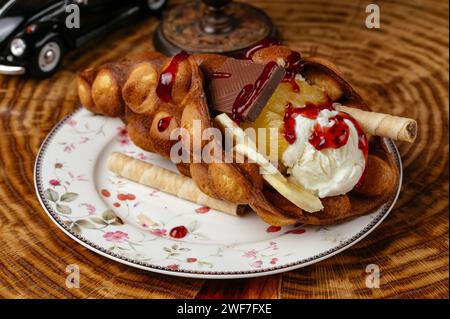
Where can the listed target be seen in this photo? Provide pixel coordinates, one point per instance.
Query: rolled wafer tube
(164, 180)
(381, 124)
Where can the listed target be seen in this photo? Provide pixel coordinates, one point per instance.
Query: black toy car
(34, 34)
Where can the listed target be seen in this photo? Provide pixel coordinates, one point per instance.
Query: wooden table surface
(401, 68)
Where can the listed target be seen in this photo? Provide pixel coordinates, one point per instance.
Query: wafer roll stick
(164, 180)
(384, 125)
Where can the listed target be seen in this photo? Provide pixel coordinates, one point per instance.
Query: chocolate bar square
(242, 88)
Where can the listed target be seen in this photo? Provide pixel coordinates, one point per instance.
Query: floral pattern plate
(141, 227)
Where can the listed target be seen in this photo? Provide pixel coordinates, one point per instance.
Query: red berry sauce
(273, 229)
(164, 123)
(265, 43)
(178, 232)
(363, 145)
(310, 111)
(105, 193)
(250, 92)
(167, 77)
(122, 197)
(293, 67)
(334, 136)
(293, 61)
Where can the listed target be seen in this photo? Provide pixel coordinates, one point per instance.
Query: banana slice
(256, 157)
(224, 121)
(295, 194)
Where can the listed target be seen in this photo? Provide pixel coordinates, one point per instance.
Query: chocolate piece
(242, 88)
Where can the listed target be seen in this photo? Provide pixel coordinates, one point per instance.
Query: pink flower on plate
(173, 267)
(89, 208)
(273, 261)
(250, 253)
(154, 193)
(54, 182)
(80, 178)
(68, 147)
(273, 245)
(141, 156)
(71, 122)
(159, 232)
(191, 260)
(83, 140)
(256, 264)
(116, 236)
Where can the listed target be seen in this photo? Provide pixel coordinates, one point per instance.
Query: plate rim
(195, 273)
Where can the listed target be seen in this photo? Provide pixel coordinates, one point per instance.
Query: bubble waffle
(152, 107)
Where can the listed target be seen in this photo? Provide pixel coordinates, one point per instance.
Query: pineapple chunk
(284, 95)
(273, 113)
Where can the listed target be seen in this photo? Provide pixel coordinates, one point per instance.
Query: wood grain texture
(267, 287)
(401, 68)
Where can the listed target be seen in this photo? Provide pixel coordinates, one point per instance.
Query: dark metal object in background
(212, 26)
(215, 20)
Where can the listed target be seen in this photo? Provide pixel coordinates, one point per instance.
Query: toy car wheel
(47, 59)
(152, 6)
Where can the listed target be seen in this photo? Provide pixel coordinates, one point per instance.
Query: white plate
(71, 179)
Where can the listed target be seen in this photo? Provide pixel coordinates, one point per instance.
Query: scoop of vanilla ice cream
(330, 171)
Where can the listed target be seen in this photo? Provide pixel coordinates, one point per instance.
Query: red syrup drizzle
(363, 145)
(167, 77)
(164, 123)
(178, 232)
(265, 43)
(293, 61)
(310, 111)
(250, 92)
(321, 138)
(221, 75)
(334, 136)
(293, 67)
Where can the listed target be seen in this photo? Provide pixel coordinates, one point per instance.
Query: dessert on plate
(331, 162)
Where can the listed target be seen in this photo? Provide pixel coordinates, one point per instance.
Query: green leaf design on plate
(109, 215)
(98, 221)
(117, 222)
(76, 229)
(192, 226)
(63, 209)
(201, 236)
(67, 223)
(204, 263)
(69, 197)
(51, 195)
(85, 224)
